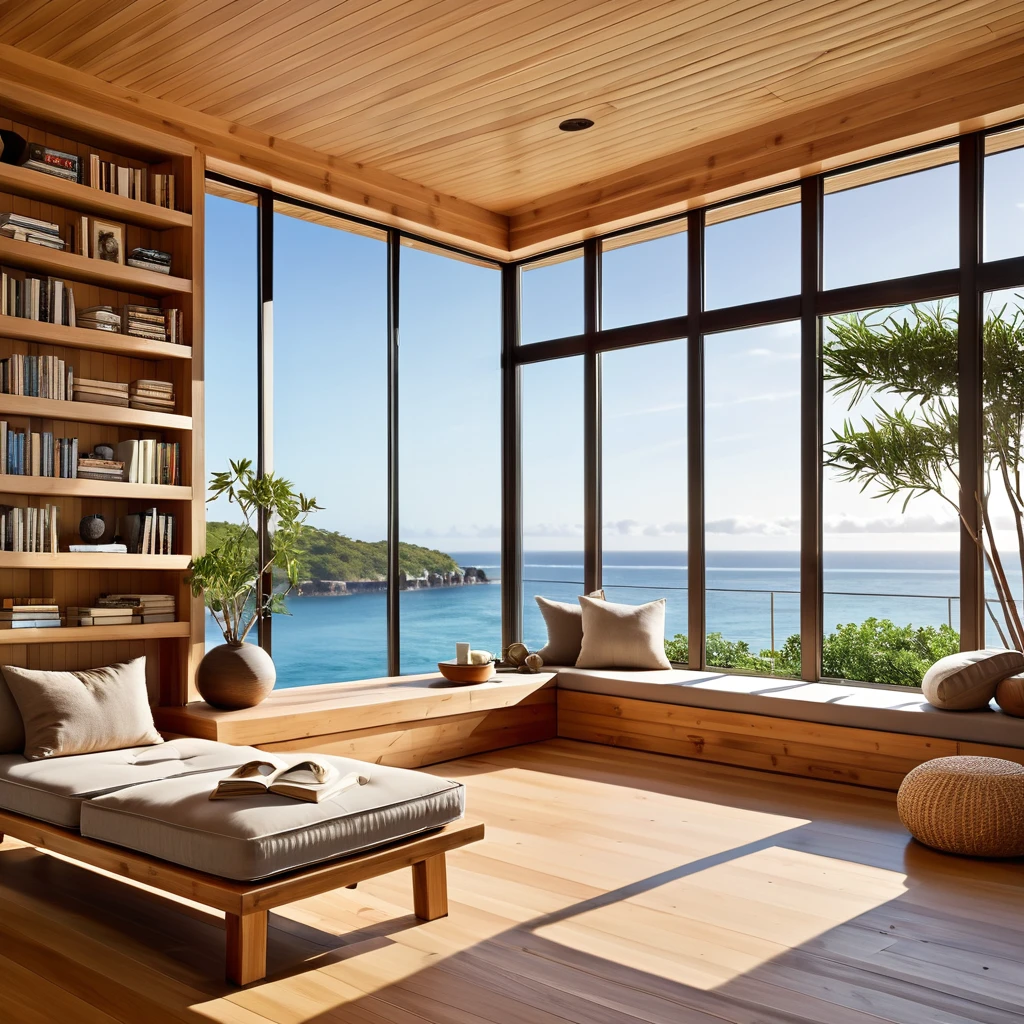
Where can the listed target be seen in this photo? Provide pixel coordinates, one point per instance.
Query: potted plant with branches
(912, 450)
(241, 580)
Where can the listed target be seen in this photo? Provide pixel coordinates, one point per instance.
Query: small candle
(462, 654)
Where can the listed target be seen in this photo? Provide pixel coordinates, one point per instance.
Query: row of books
(124, 610)
(131, 182)
(149, 533)
(30, 613)
(30, 529)
(36, 377)
(31, 229)
(32, 453)
(148, 461)
(47, 299)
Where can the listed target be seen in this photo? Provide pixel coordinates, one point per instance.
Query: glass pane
(552, 298)
(892, 220)
(1004, 445)
(752, 499)
(643, 275)
(450, 457)
(891, 574)
(1004, 195)
(752, 250)
(644, 481)
(552, 424)
(330, 440)
(230, 317)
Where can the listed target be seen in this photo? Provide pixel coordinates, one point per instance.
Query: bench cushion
(859, 707)
(53, 790)
(248, 838)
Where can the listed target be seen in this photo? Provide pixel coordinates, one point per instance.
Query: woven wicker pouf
(968, 805)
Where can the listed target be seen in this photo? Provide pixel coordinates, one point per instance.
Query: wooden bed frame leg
(430, 888)
(246, 947)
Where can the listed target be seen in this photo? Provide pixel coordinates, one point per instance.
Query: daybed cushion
(860, 707)
(53, 790)
(82, 712)
(627, 636)
(253, 837)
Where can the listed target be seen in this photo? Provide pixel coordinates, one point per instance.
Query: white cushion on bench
(859, 707)
(53, 790)
(248, 838)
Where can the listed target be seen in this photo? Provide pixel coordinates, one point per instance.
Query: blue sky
(330, 363)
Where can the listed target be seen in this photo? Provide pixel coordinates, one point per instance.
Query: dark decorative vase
(92, 528)
(234, 676)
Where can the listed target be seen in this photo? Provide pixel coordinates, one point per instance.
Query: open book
(312, 781)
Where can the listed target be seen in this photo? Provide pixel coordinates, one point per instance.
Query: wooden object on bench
(863, 757)
(245, 904)
(403, 721)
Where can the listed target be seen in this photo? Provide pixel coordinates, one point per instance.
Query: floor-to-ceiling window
(449, 456)
(330, 439)
(230, 315)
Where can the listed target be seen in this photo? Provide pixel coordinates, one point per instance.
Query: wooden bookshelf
(53, 263)
(91, 412)
(38, 333)
(172, 649)
(50, 189)
(94, 634)
(53, 486)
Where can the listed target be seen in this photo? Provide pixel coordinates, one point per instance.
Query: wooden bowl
(466, 674)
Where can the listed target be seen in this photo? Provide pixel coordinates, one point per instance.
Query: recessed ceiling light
(576, 124)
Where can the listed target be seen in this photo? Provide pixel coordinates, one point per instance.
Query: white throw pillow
(967, 681)
(12, 731)
(565, 630)
(83, 712)
(624, 636)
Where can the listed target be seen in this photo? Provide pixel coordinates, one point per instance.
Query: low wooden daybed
(145, 814)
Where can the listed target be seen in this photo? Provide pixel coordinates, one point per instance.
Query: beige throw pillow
(967, 681)
(12, 732)
(623, 635)
(83, 712)
(565, 630)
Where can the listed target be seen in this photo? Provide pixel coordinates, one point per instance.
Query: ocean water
(750, 593)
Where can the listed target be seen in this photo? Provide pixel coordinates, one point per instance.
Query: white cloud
(623, 527)
(553, 530)
(784, 527)
(894, 524)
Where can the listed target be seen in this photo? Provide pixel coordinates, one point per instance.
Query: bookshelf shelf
(94, 634)
(91, 412)
(80, 268)
(50, 486)
(89, 560)
(36, 332)
(47, 188)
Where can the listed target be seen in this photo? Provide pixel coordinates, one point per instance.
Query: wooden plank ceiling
(464, 96)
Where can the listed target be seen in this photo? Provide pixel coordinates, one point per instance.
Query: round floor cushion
(967, 805)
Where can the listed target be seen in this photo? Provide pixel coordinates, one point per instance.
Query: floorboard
(614, 887)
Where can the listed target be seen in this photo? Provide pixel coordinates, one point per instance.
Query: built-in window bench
(406, 721)
(871, 736)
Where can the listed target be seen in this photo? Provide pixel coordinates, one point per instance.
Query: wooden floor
(612, 886)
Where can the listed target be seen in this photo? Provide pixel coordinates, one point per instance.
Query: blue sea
(752, 595)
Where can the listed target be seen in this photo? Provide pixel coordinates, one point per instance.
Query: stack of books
(28, 453)
(142, 608)
(98, 615)
(29, 613)
(90, 468)
(144, 322)
(36, 377)
(31, 229)
(100, 318)
(37, 157)
(150, 462)
(162, 191)
(122, 181)
(30, 529)
(36, 298)
(154, 395)
(99, 549)
(101, 392)
(149, 533)
(150, 259)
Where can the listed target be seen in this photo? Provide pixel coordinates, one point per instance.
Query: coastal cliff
(468, 576)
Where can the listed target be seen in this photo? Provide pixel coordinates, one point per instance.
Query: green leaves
(231, 575)
(878, 651)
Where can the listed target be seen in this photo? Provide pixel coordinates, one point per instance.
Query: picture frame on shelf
(106, 240)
